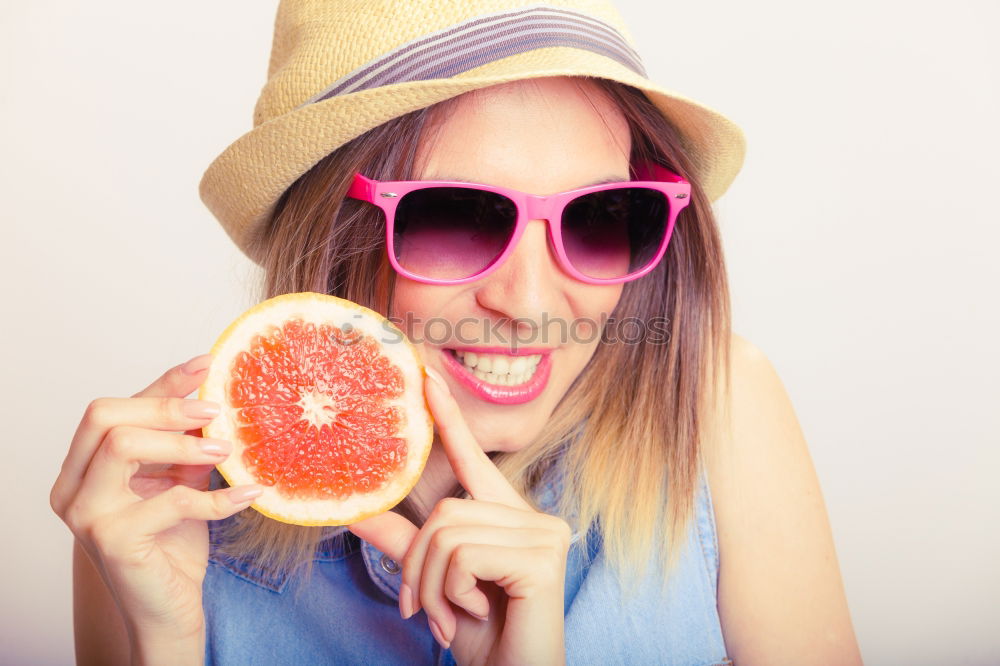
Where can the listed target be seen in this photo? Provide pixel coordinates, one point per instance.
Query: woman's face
(541, 137)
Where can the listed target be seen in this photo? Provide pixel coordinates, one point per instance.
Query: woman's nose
(529, 284)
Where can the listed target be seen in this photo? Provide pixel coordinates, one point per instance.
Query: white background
(859, 236)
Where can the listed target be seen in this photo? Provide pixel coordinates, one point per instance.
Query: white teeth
(500, 369)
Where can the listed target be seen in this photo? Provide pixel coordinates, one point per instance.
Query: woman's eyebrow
(605, 181)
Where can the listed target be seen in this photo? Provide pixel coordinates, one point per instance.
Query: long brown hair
(630, 429)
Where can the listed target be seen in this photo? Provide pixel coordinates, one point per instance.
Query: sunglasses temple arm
(361, 188)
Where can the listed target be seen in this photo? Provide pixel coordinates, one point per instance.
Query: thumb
(389, 532)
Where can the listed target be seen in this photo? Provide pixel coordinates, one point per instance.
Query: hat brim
(243, 184)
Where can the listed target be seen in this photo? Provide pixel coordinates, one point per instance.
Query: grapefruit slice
(323, 401)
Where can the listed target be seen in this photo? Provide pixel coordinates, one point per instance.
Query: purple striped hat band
(483, 39)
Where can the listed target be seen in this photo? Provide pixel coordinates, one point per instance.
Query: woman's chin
(498, 438)
(502, 428)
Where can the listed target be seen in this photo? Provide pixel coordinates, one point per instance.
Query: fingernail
(243, 493)
(201, 409)
(437, 380)
(405, 601)
(197, 364)
(438, 634)
(215, 447)
(484, 618)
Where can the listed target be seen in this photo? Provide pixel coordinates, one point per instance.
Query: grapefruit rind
(418, 429)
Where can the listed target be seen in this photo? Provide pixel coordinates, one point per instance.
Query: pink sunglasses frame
(387, 194)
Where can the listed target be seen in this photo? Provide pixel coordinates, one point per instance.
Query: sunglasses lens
(450, 233)
(614, 233)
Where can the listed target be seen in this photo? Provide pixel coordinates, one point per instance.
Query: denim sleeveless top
(348, 613)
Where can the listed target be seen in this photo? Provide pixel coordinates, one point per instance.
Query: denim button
(389, 565)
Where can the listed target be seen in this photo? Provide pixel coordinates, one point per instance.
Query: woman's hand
(133, 491)
(489, 571)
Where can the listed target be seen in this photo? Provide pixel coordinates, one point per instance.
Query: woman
(542, 529)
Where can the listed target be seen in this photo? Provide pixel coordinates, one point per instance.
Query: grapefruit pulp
(323, 402)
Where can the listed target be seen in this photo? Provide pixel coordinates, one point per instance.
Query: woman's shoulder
(755, 399)
(754, 446)
(776, 547)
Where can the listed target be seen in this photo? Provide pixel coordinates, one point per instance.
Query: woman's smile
(504, 377)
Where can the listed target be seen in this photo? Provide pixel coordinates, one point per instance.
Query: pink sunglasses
(446, 232)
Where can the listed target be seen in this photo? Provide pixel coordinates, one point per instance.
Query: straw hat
(339, 68)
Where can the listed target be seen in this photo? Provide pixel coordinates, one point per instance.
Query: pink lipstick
(501, 395)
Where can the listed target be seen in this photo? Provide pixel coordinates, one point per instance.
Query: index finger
(177, 382)
(472, 467)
